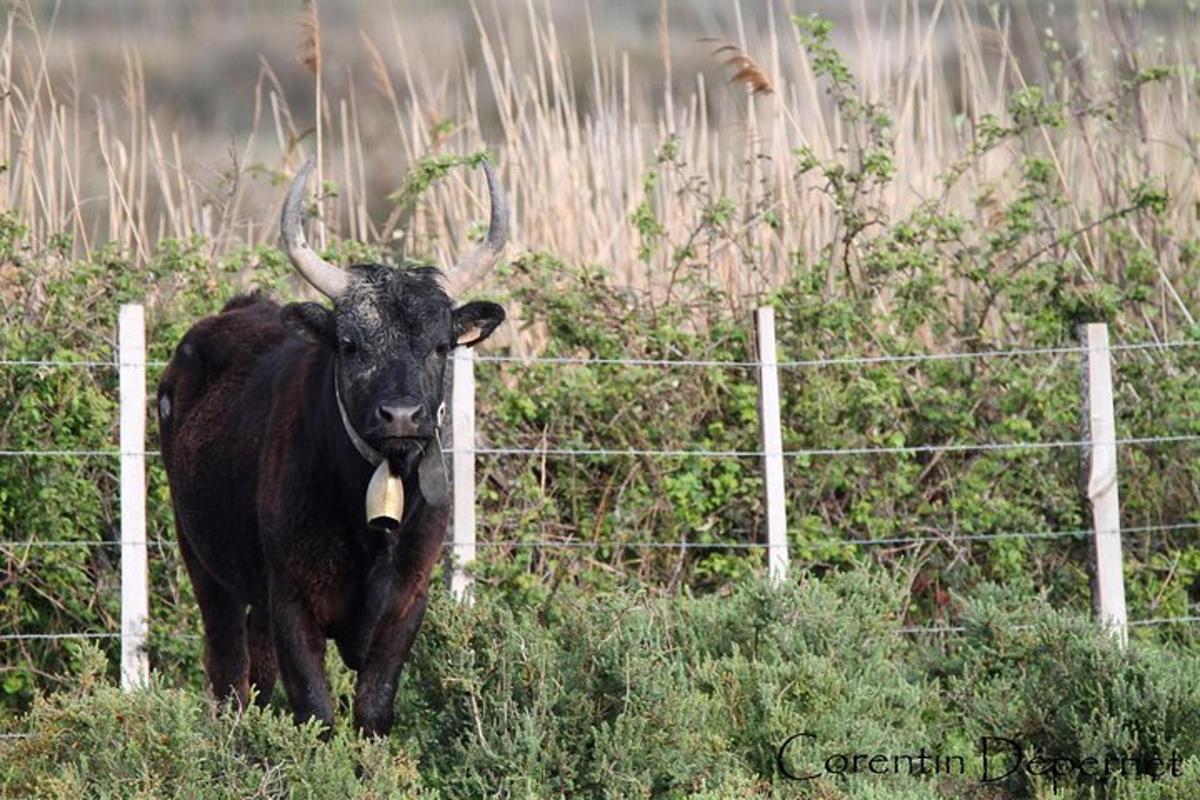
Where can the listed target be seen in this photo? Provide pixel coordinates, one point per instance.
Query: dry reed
(576, 134)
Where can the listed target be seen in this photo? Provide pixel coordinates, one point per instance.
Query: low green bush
(634, 695)
(94, 741)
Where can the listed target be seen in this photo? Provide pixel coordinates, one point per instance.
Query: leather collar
(372, 456)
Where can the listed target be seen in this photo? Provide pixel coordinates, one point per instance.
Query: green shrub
(632, 695)
(94, 741)
(1068, 694)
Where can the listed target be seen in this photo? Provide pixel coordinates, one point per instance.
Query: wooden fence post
(772, 445)
(135, 665)
(1099, 481)
(462, 424)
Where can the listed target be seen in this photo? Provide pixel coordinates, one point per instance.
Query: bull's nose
(399, 419)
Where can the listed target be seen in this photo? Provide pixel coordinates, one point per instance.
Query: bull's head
(391, 330)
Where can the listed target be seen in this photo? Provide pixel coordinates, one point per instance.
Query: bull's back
(212, 416)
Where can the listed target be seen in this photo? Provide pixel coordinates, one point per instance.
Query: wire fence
(945, 538)
(949, 537)
(833, 361)
(701, 453)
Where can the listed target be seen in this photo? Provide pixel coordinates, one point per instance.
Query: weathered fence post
(135, 665)
(462, 424)
(772, 445)
(1099, 480)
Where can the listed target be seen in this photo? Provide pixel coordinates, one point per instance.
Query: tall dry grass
(577, 131)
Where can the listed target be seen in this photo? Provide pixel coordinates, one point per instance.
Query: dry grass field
(132, 121)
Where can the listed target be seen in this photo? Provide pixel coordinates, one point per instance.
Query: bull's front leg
(375, 690)
(300, 650)
(413, 560)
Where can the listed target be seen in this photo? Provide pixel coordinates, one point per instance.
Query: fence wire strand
(898, 541)
(946, 538)
(1137, 623)
(703, 453)
(1186, 619)
(831, 361)
(25, 637)
(828, 451)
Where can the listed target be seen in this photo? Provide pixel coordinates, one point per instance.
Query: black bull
(268, 484)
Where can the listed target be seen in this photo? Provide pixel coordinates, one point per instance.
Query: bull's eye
(348, 346)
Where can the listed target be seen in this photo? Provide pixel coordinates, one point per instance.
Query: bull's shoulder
(250, 300)
(246, 328)
(220, 353)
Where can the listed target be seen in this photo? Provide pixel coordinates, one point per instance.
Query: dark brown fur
(268, 492)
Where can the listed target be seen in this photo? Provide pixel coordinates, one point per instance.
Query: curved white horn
(325, 277)
(483, 257)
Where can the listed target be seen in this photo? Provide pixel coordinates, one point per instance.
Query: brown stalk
(310, 56)
(310, 43)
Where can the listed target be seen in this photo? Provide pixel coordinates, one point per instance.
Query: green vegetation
(613, 669)
(616, 695)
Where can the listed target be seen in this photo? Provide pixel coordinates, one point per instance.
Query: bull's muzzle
(400, 420)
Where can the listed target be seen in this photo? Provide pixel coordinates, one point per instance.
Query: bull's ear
(311, 321)
(475, 321)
